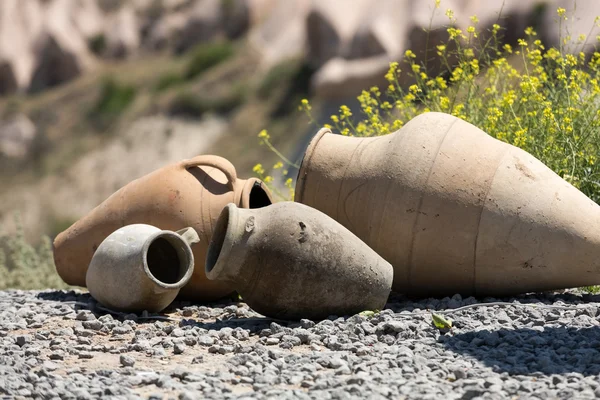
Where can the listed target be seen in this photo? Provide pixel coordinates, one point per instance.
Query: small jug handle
(220, 163)
(189, 235)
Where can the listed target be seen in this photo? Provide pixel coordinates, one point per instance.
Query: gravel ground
(58, 344)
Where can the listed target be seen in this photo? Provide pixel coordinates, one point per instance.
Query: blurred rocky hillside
(94, 93)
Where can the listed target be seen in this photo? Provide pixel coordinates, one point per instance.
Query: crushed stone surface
(63, 345)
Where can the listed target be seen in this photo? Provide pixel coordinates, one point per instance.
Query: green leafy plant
(368, 313)
(591, 289)
(168, 80)
(23, 266)
(97, 43)
(543, 100)
(279, 166)
(440, 321)
(114, 99)
(206, 56)
(278, 76)
(195, 105)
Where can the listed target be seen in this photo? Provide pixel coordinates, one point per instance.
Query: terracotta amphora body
(290, 261)
(455, 210)
(140, 267)
(190, 193)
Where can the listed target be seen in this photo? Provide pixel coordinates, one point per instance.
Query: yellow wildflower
(258, 169)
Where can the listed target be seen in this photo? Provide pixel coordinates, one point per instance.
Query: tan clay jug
(455, 210)
(190, 193)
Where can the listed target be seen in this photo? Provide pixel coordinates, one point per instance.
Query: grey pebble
(492, 352)
(94, 325)
(122, 330)
(85, 315)
(179, 348)
(22, 340)
(126, 360)
(206, 340)
(85, 355)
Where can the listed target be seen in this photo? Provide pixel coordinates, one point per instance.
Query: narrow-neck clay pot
(139, 267)
(290, 261)
(455, 210)
(190, 193)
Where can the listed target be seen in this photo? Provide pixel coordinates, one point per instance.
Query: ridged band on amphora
(305, 165)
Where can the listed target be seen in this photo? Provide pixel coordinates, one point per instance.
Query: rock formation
(47, 42)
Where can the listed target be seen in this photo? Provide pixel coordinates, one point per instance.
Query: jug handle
(219, 163)
(189, 235)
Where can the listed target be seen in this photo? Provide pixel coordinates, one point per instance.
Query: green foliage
(591, 289)
(23, 266)
(114, 99)
(195, 105)
(368, 313)
(440, 321)
(286, 83)
(278, 76)
(543, 100)
(203, 57)
(97, 44)
(207, 55)
(57, 224)
(13, 106)
(168, 80)
(265, 139)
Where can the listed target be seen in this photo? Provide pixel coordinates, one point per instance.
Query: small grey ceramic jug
(140, 267)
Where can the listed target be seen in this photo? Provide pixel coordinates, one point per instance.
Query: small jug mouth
(168, 260)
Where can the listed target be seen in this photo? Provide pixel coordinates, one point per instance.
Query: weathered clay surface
(188, 193)
(291, 261)
(455, 210)
(139, 267)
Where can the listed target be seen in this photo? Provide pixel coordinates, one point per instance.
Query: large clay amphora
(455, 210)
(139, 267)
(291, 261)
(190, 193)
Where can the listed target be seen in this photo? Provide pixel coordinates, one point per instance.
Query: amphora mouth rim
(217, 255)
(306, 159)
(255, 194)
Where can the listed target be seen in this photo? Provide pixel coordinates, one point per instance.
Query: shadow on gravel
(63, 296)
(84, 301)
(555, 350)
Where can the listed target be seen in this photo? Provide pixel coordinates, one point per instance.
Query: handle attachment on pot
(219, 163)
(189, 235)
